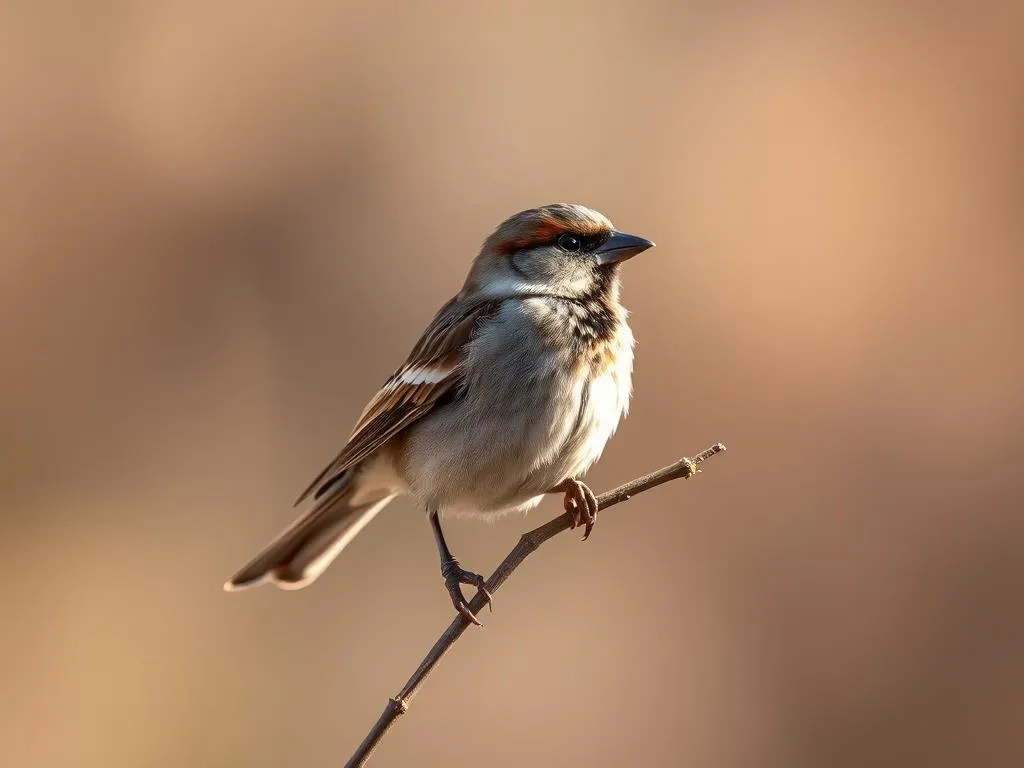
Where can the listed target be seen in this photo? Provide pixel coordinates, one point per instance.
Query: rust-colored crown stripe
(540, 226)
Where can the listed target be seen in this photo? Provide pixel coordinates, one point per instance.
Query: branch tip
(529, 542)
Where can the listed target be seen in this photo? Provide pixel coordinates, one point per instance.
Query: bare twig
(528, 543)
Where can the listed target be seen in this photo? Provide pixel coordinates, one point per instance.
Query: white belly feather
(531, 417)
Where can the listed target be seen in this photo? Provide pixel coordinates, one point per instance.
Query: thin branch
(528, 543)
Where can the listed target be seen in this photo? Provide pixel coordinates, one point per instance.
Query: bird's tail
(304, 549)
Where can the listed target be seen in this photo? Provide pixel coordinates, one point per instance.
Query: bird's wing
(432, 369)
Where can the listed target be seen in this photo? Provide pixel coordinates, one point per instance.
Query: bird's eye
(569, 243)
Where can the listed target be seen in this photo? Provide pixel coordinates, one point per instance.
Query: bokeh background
(223, 223)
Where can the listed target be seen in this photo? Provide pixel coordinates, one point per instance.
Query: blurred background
(224, 223)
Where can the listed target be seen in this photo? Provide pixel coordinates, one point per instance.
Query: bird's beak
(619, 247)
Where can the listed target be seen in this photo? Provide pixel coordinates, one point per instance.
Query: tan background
(222, 223)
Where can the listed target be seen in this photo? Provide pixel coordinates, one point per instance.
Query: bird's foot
(581, 503)
(454, 576)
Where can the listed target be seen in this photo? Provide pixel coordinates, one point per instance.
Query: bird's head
(563, 249)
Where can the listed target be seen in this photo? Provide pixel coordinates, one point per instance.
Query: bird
(511, 394)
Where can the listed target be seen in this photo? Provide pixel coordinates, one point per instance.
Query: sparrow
(511, 393)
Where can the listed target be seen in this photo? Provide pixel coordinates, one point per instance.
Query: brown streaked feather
(291, 540)
(399, 403)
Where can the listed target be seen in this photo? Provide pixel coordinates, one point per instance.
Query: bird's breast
(593, 345)
(533, 410)
(607, 370)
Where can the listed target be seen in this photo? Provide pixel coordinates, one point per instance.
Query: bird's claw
(581, 503)
(454, 576)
